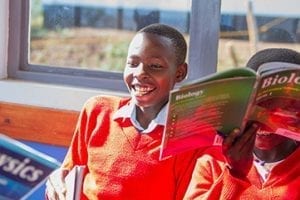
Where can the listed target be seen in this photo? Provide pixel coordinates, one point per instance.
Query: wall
(3, 37)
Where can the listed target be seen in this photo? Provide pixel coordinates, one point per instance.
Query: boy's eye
(132, 64)
(155, 66)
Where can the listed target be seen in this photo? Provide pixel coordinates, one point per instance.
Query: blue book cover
(22, 169)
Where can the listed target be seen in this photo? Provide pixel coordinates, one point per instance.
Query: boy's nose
(140, 70)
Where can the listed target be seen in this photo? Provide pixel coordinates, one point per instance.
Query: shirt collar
(129, 111)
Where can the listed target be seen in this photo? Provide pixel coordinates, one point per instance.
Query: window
(245, 27)
(55, 29)
(251, 25)
(95, 34)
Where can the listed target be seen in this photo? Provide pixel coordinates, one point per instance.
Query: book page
(74, 182)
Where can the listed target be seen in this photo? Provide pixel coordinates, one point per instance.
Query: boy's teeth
(263, 133)
(142, 89)
(139, 91)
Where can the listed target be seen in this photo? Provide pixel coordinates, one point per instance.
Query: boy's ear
(181, 72)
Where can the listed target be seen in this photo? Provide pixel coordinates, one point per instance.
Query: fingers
(230, 139)
(55, 185)
(247, 139)
(54, 191)
(240, 141)
(238, 149)
(50, 191)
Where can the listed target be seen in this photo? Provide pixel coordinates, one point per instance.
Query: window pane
(271, 23)
(95, 34)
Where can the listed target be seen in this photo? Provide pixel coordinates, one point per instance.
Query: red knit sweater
(212, 180)
(121, 162)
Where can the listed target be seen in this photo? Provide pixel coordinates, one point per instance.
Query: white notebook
(74, 182)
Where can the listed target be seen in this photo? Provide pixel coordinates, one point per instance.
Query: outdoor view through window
(93, 34)
(248, 26)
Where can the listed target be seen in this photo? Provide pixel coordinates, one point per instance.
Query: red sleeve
(87, 121)
(94, 108)
(77, 152)
(184, 165)
(211, 179)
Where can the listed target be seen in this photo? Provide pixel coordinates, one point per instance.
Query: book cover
(204, 111)
(22, 169)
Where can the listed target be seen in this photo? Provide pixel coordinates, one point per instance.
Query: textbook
(74, 181)
(204, 111)
(22, 169)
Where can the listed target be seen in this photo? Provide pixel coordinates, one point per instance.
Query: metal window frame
(204, 33)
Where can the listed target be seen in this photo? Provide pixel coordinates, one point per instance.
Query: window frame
(202, 60)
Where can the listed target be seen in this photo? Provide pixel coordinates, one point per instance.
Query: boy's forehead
(137, 41)
(149, 38)
(148, 41)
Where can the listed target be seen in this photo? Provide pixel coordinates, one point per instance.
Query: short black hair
(176, 37)
(273, 55)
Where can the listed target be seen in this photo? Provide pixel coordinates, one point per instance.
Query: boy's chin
(140, 102)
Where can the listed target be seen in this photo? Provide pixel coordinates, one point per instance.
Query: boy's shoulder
(213, 153)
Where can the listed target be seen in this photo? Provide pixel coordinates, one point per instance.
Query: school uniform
(212, 179)
(122, 158)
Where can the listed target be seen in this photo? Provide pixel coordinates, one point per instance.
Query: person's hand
(55, 185)
(238, 150)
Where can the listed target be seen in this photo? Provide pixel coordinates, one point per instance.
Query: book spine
(251, 103)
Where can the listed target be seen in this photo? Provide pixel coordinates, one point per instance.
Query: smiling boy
(118, 139)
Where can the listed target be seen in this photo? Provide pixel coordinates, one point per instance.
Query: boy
(255, 165)
(118, 139)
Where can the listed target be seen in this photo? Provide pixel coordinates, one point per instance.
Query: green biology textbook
(202, 112)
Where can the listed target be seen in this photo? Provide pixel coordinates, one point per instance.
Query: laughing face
(151, 70)
(283, 112)
(266, 140)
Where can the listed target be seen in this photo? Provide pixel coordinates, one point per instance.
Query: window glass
(93, 34)
(248, 26)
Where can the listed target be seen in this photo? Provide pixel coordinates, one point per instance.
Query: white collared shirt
(264, 168)
(129, 111)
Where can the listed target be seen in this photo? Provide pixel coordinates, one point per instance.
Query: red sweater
(121, 162)
(212, 180)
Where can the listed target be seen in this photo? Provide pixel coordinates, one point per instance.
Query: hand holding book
(55, 185)
(74, 182)
(237, 149)
(64, 184)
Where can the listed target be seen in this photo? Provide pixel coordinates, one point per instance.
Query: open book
(22, 169)
(202, 112)
(74, 182)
